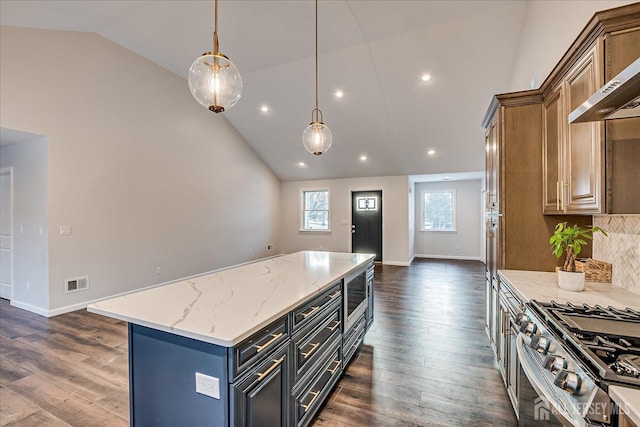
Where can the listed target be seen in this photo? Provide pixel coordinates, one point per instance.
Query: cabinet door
(514, 364)
(503, 340)
(262, 398)
(370, 314)
(584, 142)
(492, 166)
(489, 309)
(621, 49)
(495, 322)
(552, 184)
(492, 203)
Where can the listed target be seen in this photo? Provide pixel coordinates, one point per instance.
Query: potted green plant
(571, 239)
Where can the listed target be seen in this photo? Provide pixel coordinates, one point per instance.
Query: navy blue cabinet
(261, 398)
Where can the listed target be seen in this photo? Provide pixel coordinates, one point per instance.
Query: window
(315, 210)
(439, 210)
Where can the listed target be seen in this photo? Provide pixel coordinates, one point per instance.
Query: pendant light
(317, 137)
(213, 79)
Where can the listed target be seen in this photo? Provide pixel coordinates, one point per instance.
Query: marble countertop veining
(227, 306)
(543, 286)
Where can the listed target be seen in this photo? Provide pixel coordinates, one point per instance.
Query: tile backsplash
(621, 248)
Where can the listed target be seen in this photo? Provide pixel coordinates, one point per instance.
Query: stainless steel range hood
(617, 99)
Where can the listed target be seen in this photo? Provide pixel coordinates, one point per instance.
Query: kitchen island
(259, 344)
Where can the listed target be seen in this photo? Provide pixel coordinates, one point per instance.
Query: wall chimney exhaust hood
(617, 99)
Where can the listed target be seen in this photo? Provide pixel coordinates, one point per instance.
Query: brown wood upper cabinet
(573, 154)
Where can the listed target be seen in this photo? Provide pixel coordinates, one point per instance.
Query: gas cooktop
(606, 339)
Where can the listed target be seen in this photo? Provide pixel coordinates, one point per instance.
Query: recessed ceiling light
(264, 108)
(363, 158)
(339, 94)
(426, 77)
(431, 152)
(301, 164)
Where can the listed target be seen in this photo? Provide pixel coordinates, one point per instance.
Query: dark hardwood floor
(425, 362)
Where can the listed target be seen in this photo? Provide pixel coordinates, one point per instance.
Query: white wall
(395, 237)
(142, 173)
(549, 28)
(465, 242)
(30, 228)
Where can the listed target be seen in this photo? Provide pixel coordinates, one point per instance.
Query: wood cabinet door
(552, 185)
(492, 202)
(583, 162)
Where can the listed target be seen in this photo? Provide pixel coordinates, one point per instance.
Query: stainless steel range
(570, 355)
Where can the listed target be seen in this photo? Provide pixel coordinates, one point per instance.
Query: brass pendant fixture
(214, 80)
(317, 137)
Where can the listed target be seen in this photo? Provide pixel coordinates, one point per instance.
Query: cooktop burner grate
(607, 339)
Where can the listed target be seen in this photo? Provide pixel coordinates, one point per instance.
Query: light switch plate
(209, 386)
(65, 230)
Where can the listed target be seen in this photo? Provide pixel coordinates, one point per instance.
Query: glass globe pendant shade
(215, 82)
(317, 138)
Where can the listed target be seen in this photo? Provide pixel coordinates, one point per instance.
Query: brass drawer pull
(276, 363)
(313, 309)
(338, 363)
(357, 343)
(333, 328)
(308, 405)
(271, 341)
(313, 348)
(335, 294)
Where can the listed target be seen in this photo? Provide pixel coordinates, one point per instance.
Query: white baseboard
(32, 308)
(466, 258)
(398, 263)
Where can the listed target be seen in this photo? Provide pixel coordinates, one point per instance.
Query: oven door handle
(528, 364)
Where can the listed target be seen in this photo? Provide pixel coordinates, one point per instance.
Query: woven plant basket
(594, 270)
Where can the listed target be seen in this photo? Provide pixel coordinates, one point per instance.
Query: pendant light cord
(215, 27)
(316, 54)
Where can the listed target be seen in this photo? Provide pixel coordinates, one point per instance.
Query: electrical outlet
(209, 386)
(270, 246)
(158, 269)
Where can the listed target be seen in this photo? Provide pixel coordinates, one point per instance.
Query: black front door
(366, 223)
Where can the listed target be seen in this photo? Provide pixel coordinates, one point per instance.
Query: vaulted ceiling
(375, 52)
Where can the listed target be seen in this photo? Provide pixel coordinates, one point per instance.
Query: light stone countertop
(543, 287)
(226, 307)
(628, 399)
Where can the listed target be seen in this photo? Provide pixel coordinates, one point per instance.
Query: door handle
(313, 309)
(314, 346)
(271, 341)
(276, 363)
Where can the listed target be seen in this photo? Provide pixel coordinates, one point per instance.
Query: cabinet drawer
(254, 348)
(312, 342)
(352, 340)
(309, 310)
(309, 398)
(354, 329)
